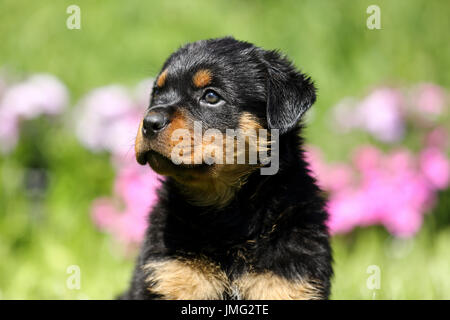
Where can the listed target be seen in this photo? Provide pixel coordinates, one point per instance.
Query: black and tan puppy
(225, 231)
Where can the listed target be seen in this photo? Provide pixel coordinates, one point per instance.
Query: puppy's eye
(211, 97)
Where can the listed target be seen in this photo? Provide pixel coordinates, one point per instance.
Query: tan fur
(202, 78)
(249, 122)
(268, 286)
(224, 180)
(219, 185)
(250, 126)
(140, 143)
(162, 79)
(201, 279)
(163, 144)
(197, 279)
(178, 121)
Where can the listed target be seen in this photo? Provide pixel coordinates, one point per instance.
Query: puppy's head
(221, 84)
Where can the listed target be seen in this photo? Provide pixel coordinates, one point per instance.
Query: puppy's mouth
(165, 166)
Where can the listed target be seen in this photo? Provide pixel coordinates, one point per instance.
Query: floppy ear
(289, 93)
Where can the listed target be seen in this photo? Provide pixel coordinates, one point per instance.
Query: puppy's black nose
(154, 121)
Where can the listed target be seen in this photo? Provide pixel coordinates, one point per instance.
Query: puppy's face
(218, 84)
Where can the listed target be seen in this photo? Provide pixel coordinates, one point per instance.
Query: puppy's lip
(146, 156)
(141, 157)
(153, 157)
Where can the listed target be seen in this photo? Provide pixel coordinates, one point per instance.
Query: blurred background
(73, 202)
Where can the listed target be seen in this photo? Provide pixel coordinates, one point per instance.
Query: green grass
(409, 269)
(40, 236)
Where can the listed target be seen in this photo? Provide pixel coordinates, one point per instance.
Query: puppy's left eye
(211, 97)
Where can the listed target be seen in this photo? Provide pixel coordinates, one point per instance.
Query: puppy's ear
(289, 93)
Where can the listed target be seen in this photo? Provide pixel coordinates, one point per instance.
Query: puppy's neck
(219, 188)
(226, 182)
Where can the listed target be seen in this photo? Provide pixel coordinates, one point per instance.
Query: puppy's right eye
(210, 97)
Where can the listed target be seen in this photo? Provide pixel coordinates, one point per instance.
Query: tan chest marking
(196, 279)
(201, 279)
(268, 286)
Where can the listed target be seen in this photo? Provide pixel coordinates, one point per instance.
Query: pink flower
(142, 92)
(409, 196)
(126, 215)
(344, 115)
(367, 158)
(316, 165)
(435, 167)
(339, 176)
(108, 119)
(3, 85)
(40, 94)
(380, 114)
(391, 191)
(429, 99)
(394, 189)
(9, 131)
(345, 209)
(438, 137)
(404, 223)
(329, 177)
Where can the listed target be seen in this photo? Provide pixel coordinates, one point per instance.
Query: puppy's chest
(203, 279)
(196, 278)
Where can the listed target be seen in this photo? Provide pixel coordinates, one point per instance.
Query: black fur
(266, 84)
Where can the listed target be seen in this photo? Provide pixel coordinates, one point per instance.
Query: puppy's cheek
(177, 138)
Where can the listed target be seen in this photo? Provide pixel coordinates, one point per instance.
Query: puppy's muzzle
(150, 136)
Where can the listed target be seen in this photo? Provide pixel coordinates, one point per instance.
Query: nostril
(153, 122)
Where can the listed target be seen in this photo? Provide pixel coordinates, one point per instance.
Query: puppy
(226, 230)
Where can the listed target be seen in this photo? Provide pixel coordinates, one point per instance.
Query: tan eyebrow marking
(162, 79)
(202, 78)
